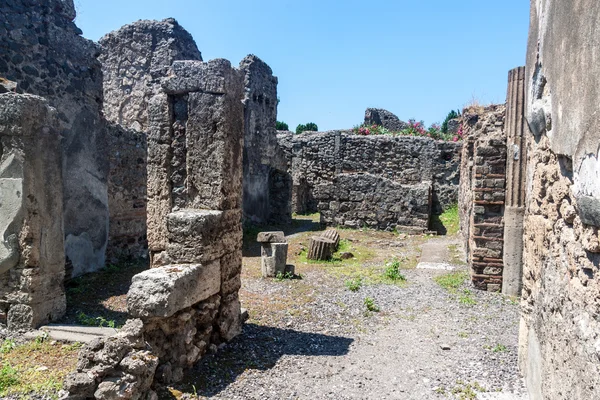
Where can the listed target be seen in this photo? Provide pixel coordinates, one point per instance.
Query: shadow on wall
(259, 347)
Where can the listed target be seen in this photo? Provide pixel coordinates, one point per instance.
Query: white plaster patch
(438, 266)
(587, 177)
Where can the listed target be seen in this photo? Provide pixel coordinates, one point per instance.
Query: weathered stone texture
(378, 116)
(559, 336)
(382, 182)
(43, 52)
(482, 193)
(32, 258)
(261, 162)
(133, 59)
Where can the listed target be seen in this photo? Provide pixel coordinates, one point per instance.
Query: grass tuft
(449, 219)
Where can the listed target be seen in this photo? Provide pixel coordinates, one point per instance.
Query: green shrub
(8, 377)
(311, 126)
(370, 304)
(354, 285)
(392, 271)
(282, 126)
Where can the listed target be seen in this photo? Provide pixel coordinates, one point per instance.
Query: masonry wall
(32, 258)
(133, 58)
(559, 353)
(382, 182)
(41, 49)
(482, 193)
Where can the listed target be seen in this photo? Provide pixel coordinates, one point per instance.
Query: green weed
(354, 285)
(370, 304)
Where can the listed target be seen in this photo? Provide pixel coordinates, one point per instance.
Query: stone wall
(262, 167)
(559, 348)
(41, 49)
(187, 303)
(482, 193)
(132, 58)
(382, 182)
(32, 258)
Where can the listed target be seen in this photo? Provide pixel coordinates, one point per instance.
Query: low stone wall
(382, 182)
(482, 193)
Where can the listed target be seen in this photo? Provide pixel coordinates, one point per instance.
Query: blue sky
(418, 59)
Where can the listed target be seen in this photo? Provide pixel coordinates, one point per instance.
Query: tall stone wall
(383, 182)
(187, 303)
(132, 58)
(263, 169)
(482, 193)
(559, 348)
(41, 49)
(32, 258)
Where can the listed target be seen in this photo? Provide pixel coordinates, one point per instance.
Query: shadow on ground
(259, 347)
(299, 225)
(100, 297)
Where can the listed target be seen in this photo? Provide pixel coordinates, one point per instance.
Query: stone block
(163, 291)
(273, 259)
(214, 77)
(271, 237)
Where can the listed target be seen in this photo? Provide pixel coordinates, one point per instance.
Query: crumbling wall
(41, 49)
(482, 193)
(187, 303)
(32, 258)
(559, 335)
(263, 170)
(384, 182)
(132, 58)
(379, 116)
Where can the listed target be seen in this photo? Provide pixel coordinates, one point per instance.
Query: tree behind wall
(311, 127)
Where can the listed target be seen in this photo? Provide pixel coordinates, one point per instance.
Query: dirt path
(313, 338)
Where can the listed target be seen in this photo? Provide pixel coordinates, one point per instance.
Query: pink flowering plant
(415, 128)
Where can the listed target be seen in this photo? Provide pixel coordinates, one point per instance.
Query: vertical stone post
(516, 128)
(195, 142)
(32, 257)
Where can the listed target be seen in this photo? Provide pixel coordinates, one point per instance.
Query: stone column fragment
(274, 249)
(516, 160)
(32, 257)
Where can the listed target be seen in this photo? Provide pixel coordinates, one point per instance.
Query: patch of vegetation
(7, 345)
(449, 219)
(281, 126)
(37, 367)
(370, 305)
(84, 319)
(287, 276)
(499, 348)
(451, 281)
(309, 127)
(463, 335)
(392, 271)
(354, 285)
(415, 128)
(466, 298)
(467, 391)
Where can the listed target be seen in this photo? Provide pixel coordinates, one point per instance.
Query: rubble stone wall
(42, 50)
(32, 258)
(382, 182)
(132, 58)
(482, 193)
(559, 353)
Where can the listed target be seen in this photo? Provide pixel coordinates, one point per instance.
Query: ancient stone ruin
(136, 149)
(383, 182)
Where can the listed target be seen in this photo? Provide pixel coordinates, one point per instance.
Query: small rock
(445, 347)
(346, 255)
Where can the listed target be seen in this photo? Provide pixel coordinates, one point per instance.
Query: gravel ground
(312, 338)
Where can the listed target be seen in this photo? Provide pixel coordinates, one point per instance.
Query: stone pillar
(32, 257)
(515, 128)
(273, 251)
(195, 145)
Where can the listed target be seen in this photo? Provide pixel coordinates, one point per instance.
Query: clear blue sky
(418, 59)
